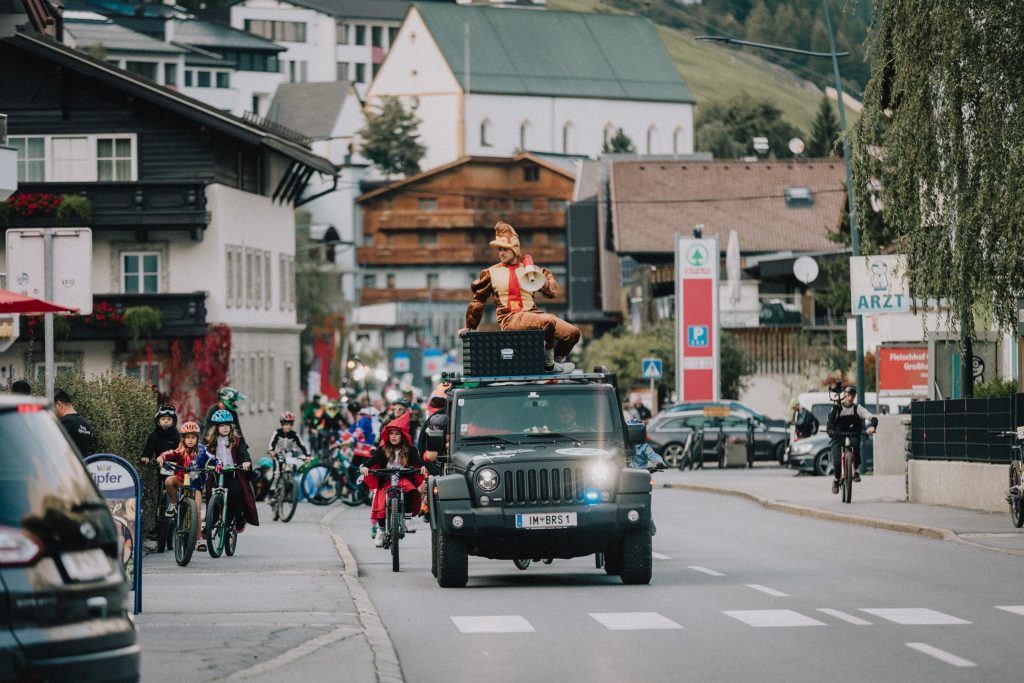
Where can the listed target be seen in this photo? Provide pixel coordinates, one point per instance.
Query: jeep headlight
(487, 479)
(600, 473)
(802, 448)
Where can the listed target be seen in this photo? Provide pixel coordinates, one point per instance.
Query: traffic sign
(697, 336)
(697, 353)
(401, 362)
(651, 368)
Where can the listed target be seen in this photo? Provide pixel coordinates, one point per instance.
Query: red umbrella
(10, 302)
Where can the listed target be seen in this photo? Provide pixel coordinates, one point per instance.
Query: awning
(11, 302)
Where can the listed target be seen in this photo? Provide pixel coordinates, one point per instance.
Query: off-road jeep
(535, 468)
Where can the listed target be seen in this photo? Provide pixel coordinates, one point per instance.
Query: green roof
(545, 52)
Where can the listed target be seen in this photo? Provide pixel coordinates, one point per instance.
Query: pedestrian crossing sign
(651, 368)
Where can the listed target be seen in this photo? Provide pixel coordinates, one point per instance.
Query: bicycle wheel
(395, 528)
(289, 498)
(231, 540)
(1016, 505)
(215, 530)
(354, 496)
(319, 485)
(187, 528)
(848, 478)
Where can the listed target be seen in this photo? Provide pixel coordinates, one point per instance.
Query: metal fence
(963, 429)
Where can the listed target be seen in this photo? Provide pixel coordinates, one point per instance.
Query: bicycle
(285, 497)
(1015, 495)
(332, 478)
(221, 534)
(847, 466)
(181, 530)
(394, 529)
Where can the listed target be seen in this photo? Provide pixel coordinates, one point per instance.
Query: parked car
(734, 406)
(64, 599)
(812, 454)
(667, 434)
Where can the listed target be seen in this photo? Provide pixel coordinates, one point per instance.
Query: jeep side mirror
(636, 434)
(435, 440)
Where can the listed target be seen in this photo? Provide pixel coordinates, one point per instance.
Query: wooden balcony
(139, 206)
(460, 219)
(183, 315)
(442, 255)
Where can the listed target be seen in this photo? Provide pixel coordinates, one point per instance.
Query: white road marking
(659, 556)
(773, 618)
(848, 618)
(1016, 609)
(766, 589)
(705, 570)
(633, 621)
(941, 655)
(916, 616)
(497, 624)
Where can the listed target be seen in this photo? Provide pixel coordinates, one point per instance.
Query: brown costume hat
(505, 236)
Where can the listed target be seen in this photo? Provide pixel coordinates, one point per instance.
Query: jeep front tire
(636, 557)
(452, 561)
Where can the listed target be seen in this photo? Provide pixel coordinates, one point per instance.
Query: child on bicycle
(395, 450)
(226, 445)
(189, 453)
(284, 440)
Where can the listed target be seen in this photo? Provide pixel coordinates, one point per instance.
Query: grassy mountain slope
(715, 72)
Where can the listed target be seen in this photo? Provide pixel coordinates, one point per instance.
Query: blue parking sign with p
(697, 336)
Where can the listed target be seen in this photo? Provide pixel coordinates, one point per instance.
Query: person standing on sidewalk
(77, 427)
(848, 418)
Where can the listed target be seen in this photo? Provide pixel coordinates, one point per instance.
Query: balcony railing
(167, 205)
(182, 315)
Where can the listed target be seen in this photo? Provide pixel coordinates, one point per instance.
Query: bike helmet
(221, 417)
(331, 409)
(230, 397)
(287, 416)
(851, 390)
(189, 428)
(166, 411)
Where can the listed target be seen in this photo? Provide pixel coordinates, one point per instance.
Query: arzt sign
(878, 284)
(697, 360)
(903, 371)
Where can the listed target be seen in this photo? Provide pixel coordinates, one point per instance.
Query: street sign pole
(48, 318)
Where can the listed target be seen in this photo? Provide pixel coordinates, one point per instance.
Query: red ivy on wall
(212, 356)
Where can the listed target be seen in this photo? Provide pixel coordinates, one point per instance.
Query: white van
(819, 403)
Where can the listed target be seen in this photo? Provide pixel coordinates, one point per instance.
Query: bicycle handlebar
(223, 468)
(393, 470)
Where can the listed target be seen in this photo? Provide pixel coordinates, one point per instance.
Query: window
(525, 238)
(261, 387)
(291, 283)
(145, 373)
(427, 204)
(31, 159)
(267, 280)
(391, 281)
(370, 281)
(229, 272)
(170, 74)
(360, 34)
(144, 69)
(556, 204)
(525, 131)
(140, 272)
(341, 31)
(271, 403)
(342, 71)
(392, 32)
(485, 133)
(609, 133)
(72, 159)
(239, 276)
(188, 78)
(367, 240)
(257, 278)
(377, 36)
(223, 79)
(531, 173)
(114, 159)
(428, 238)
(360, 73)
(202, 79)
(556, 238)
(567, 138)
(282, 290)
(652, 140)
(678, 141)
(798, 197)
(288, 31)
(525, 205)
(286, 390)
(432, 280)
(252, 383)
(374, 68)
(248, 277)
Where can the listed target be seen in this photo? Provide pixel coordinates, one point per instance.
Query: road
(739, 593)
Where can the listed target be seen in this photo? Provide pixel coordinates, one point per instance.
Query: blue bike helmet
(221, 417)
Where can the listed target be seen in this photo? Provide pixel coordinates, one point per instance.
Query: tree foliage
(620, 143)
(728, 128)
(824, 132)
(391, 138)
(943, 131)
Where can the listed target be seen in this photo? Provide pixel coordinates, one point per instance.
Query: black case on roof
(490, 354)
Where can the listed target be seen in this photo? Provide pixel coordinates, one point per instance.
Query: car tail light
(18, 548)
(29, 408)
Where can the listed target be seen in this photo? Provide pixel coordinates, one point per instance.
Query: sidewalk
(878, 501)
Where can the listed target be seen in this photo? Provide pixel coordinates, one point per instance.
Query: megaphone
(533, 277)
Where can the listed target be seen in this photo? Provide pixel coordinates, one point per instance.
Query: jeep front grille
(543, 486)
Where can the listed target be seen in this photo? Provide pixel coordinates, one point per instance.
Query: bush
(142, 321)
(74, 207)
(995, 387)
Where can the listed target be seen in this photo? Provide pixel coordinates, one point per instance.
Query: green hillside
(716, 72)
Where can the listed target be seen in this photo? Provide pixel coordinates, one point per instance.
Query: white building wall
(263, 84)
(317, 52)
(225, 99)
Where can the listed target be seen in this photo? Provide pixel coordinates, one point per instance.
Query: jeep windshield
(531, 412)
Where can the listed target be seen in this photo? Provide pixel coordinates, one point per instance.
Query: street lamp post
(854, 234)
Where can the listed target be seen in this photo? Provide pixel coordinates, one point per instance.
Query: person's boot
(563, 366)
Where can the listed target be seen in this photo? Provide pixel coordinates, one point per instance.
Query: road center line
(659, 556)
(766, 589)
(848, 618)
(705, 570)
(941, 655)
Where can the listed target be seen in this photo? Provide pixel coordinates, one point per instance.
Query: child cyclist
(395, 450)
(285, 440)
(188, 454)
(226, 445)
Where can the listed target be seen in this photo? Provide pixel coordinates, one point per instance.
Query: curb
(872, 522)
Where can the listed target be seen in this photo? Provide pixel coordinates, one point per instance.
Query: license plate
(546, 520)
(86, 565)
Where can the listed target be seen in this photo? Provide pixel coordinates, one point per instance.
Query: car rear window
(38, 468)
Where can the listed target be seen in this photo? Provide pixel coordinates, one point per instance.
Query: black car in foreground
(64, 601)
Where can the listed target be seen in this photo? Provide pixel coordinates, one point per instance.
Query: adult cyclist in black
(847, 418)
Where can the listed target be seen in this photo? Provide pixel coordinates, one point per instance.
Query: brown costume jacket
(493, 283)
